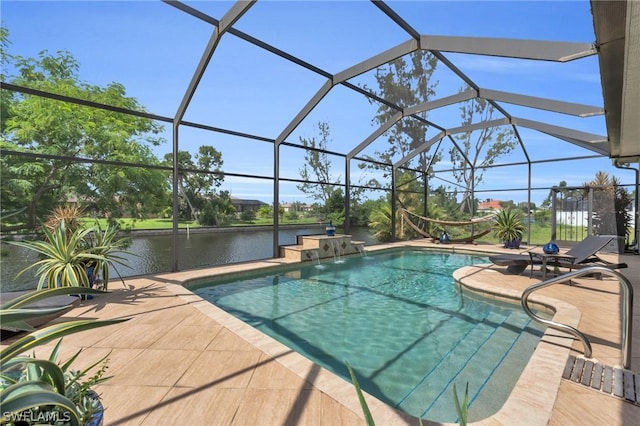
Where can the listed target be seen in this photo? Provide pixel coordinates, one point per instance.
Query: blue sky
(153, 50)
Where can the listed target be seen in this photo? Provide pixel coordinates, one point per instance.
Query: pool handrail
(627, 308)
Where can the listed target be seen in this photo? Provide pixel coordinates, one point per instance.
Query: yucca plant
(107, 244)
(37, 390)
(70, 214)
(509, 228)
(74, 258)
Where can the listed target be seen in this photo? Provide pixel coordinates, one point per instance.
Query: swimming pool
(399, 319)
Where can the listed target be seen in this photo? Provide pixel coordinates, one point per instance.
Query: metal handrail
(627, 308)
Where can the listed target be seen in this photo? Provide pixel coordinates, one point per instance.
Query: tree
(409, 197)
(446, 203)
(319, 183)
(566, 194)
(218, 210)
(404, 82)
(317, 166)
(507, 204)
(6, 96)
(198, 176)
(265, 211)
(479, 149)
(610, 204)
(380, 222)
(68, 145)
(526, 207)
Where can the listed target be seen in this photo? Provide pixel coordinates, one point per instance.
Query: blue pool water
(401, 322)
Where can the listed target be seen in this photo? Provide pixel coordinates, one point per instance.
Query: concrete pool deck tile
(157, 382)
(273, 375)
(186, 337)
(280, 407)
(592, 407)
(119, 335)
(196, 406)
(156, 367)
(224, 369)
(227, 340)
(130, 405)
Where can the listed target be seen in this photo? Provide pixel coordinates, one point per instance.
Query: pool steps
(480, 343)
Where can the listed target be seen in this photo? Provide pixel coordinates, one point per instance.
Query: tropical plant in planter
(42, 391)
(508, 227)
(75, 257)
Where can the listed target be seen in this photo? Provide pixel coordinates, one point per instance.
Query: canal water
(153, 254)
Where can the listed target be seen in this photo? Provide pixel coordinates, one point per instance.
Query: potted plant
(508, 227)
(76, 256)
(36, 390)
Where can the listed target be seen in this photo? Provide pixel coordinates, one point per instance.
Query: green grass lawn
(155, 224)
(540, 234)
(140, 224)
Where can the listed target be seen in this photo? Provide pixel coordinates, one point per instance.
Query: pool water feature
(399, 319)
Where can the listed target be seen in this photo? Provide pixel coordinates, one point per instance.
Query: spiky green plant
(67, 255)
(107, 244)
(30, 383)
(363, 403)
(508, 225)
(461, 409)
(76, 385)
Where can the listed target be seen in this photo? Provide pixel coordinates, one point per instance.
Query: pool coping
(534, 393)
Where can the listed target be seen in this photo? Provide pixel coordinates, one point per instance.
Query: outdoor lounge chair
(584, 253)
(53, 302)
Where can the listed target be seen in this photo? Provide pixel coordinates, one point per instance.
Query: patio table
(554, 259)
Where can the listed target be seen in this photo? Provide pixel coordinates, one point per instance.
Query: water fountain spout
(315, 256)
(337, 254)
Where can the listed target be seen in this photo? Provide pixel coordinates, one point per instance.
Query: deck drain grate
(614, 381)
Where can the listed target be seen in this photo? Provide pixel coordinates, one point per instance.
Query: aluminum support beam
(231, 17)
(442, 102)
(453, 131)
(377, 60)
(555, 51)
(315, 100)
(590, 141)
(478, 126)
(373, 136)
(562, 107)
(396, 18)
(423, 147)
(347, 195)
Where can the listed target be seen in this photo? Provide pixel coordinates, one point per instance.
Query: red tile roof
(490, 205)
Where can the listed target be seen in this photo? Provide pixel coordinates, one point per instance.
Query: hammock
(406, 216)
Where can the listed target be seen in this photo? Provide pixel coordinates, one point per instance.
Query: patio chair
(53, 302)
(584, 253)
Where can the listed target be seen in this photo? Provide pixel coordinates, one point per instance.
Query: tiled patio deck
(182, 361)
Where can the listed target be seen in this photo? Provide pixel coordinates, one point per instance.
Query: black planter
(513, 244)
(98, 418)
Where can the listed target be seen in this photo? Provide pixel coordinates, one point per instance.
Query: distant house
(489, 206)
(296, 207)
(247, 205)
